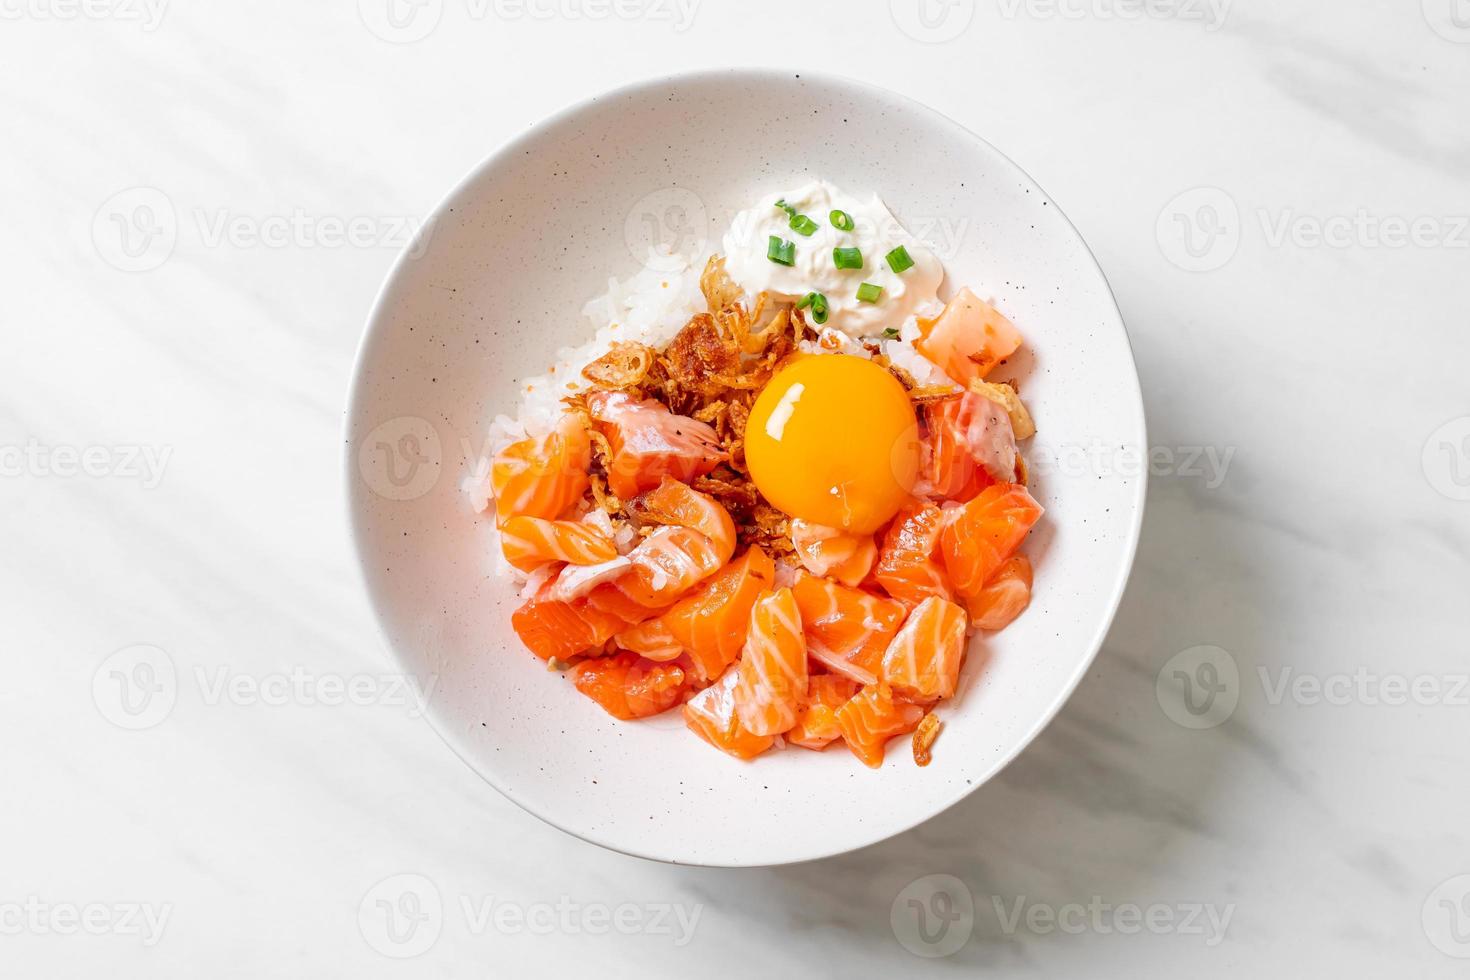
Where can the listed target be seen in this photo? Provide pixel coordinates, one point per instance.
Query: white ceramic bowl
(496, 286)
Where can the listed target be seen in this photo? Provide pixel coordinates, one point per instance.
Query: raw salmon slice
(907, 567)
(542, 477)
(710, 714)
(772, 668)
(552, 627)
(816, 724)
(985, 532)
(968, 339)
(871, 718)
(1004, 597)
(530, 541)
(652, 640)
(629, 687)
(649, 442)
(712, 622)
(609, 598)
(947, 468)
(667, 564)
(833, 553)
(969, 445)
(923, 661)
(672, 502)
(846, 629)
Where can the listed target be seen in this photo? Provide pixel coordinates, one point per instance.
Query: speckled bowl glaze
(496, 285)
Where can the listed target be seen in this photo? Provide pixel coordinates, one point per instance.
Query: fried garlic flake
(924, 737)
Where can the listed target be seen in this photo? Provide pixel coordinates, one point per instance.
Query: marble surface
(208, 767)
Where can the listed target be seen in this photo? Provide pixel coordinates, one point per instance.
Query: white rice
(651, 307)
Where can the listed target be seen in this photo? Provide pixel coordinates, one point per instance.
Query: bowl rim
(375, 323)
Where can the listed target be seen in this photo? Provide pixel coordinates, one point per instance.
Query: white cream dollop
(876, 232)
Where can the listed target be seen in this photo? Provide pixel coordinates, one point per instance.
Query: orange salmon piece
(649, 442)
(968, 339)
(555, 628)
(652, 640)
(985, 532)
(629, 687)
(610, 599)
(667, 564)
(675, 503)
(833, 553)
(870, 718)
(710, 714)
(542, 477)
(772, 669)
(816, 724)
(847, 630)
(1004, 597)
(969, 445)
(947, 465)
(922, 663)
(712, 622)
(906, 567)
(528, 542)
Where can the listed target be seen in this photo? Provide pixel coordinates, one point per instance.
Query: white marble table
(1278, 193)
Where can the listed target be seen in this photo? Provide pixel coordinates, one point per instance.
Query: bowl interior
(496, 287)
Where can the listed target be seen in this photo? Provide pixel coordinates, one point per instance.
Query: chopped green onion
(803, 225)
(818, 304)
(899, 261)
(790, 211)
(891, 333)
(847, 258)
(780, 251)
(869, 293)
(841, 220)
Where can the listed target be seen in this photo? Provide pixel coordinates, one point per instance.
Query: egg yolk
(833, 439)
